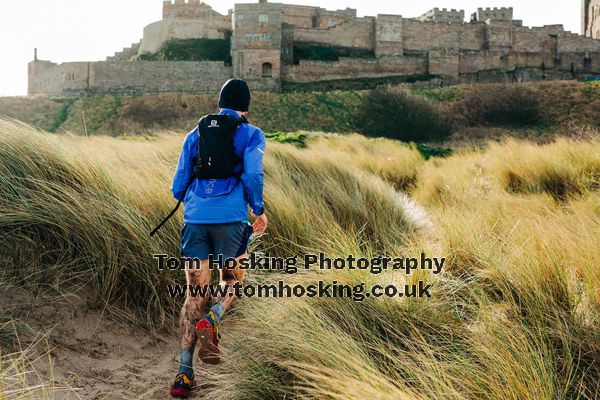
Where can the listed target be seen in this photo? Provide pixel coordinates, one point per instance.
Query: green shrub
(328, 53)
(428, 152)
(397, 113)
(191, 50)
(61, 116)
(297, 139)
(446, 94)
(512, 105)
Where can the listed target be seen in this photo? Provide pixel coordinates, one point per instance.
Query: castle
(277, 46)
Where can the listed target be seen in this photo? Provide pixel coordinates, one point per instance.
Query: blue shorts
(202, 240)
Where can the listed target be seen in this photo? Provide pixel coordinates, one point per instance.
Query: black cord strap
(174, 210)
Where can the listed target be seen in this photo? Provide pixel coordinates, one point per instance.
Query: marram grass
(515, 315)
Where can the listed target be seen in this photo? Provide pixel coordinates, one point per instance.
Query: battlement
(496, 9)
(443, 15)
(454, 11)
(165, 2)
(187, 9)
(494, 14)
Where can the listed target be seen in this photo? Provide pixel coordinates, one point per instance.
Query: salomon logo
(214, 124)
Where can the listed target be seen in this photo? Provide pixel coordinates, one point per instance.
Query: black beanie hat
(235, 95)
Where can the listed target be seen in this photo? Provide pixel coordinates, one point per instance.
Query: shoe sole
(208, 353)
(180, 393)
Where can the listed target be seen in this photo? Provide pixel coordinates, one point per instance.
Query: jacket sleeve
(252, 177)
(185, 168)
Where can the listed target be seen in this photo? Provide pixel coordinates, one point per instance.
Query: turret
(494, 14)
(34, 69)
(182, 9)
(443, 15)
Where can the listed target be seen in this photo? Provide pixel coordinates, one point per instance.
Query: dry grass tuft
(516, 315)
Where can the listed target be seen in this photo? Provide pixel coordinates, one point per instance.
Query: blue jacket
(223, 200)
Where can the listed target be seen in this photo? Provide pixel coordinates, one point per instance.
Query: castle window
(315, 21)
(332, 23)
(267, 70)
(240, 17)
(263, 18)
(257, 37)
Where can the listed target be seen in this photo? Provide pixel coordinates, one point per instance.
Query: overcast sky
(90, 30)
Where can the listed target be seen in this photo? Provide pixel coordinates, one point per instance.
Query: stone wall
(494, 14)
(188, 9)
(389, 36)
(458, 65)
(572, 42)
(192, 20)
(131, 77)
(443, 15)
(52, 79)
(349, 68)
(419, 36)
(156, 76)
(356, 33)
(315, 17)
(255, 66)
(257, 44)
(591, 18)
(257, 26)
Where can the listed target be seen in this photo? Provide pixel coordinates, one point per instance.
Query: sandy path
(94, 354)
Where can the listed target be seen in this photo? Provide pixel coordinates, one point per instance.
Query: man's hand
(260, 224)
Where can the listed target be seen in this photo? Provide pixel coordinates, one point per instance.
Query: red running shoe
(182, 386)
(208, 339)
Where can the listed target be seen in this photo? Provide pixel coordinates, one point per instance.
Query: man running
(216, 217)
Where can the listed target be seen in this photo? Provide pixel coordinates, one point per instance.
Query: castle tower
(590, 18)
(34, 69)
(493, 14)
(257, 43)
(443, 15)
